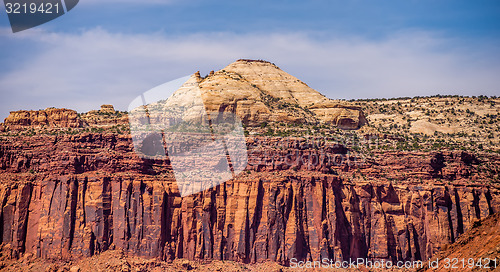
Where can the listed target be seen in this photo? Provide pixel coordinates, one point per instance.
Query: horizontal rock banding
(86, 193)
(50, 117)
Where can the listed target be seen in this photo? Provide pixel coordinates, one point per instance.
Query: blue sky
(111, 52)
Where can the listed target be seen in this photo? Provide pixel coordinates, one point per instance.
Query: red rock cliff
(82, 194)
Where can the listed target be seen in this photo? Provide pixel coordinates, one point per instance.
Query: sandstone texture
(105, 117)
(50, 117)
(88, 193)
(258, 91)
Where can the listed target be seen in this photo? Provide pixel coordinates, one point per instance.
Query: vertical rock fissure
(24, 204)
(303, 246)
(343, 233)
(488, 197)
(66, 228)
(107, 213)
(247, 236)
(180, 239)
(73, 205)
(258, 209)
(475, 204)
(52, 195)
(448, 214)
(460, 218)
(84, 192)
(140, 234)
(289, 206)
(165, 222)
(418, 256)
(221, 216)
(409, 255)
(391, 239)
(213, 221)
(273, 236)
(127, 211)
(92, 243)
(4, 202)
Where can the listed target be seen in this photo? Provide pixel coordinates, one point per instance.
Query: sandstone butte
(74, 195)
(258, 91)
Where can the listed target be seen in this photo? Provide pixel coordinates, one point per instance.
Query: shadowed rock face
(87, 193)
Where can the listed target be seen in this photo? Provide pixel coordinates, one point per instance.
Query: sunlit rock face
(258, 91)
(51, 117)
(84, 194)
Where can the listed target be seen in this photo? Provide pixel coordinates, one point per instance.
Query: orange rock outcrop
(259, 91)
(50, 117)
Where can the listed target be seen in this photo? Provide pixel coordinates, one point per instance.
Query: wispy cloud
(82, 71)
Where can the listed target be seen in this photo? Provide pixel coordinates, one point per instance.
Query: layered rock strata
(255, 91)
(88, 193)
(259, 91)
(50, 117)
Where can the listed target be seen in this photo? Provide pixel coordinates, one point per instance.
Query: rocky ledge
(50, 117)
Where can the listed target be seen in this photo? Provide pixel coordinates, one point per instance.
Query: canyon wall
(69, 196)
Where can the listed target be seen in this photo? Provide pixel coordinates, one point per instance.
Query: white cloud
(82, 71)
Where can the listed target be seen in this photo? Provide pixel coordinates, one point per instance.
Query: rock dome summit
(259, 91)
